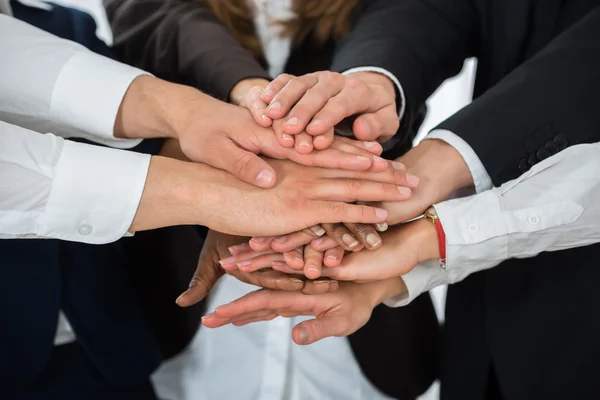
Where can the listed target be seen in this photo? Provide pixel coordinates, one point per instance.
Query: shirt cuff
(420, 279)
(481, 178)
(87, 95)
(95, 194)
(393, 78)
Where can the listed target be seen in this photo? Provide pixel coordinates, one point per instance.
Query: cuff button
(85, 229)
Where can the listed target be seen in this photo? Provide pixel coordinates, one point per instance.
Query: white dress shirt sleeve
(554, 206)
(54, 188)
(49, 84)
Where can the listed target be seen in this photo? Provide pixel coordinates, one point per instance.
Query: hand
(317, 102)
(441, 170)
(222, 135)
(209, 271)
(247, 93)
(404, 247)
(340, 313)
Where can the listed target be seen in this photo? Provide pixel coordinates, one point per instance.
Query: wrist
(440, 168)
(154, 108)
(175, 193)
(387, 289)
(239, 91)
(426, 240)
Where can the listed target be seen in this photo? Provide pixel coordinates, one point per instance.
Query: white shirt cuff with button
(53, 188)
(54, 85)
(481, 178)
(554, 206)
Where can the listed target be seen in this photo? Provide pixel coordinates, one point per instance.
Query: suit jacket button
(562, 142)
(532, 160)
(523, 166)
(542, 154)
(552, 148)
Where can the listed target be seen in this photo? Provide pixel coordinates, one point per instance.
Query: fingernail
(265, 177)
(404, 191)
(293, 121)
(412, 179)
(321, 137)
(304, 143)
(331, 257)
(319, 282)
(258, 239)
(180, 297)
(303, 335)
(373, 240)
(296, 280)
(370, 145)
(286, 137)
(264, 116)
(349, 240)
(379, 159)
(318, 241)
(268, 93)
(381, 213)
(227, 260)
(242, 264)
(274, 106)
(238, 248)
(315, 122)
(312, 268)
(363, 158)
(281, 239)
(317, 230)
(399, 167)
(382, 227)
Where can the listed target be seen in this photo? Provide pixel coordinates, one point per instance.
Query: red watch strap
(441, 241)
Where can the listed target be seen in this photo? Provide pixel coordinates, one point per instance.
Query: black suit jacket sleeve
(549, 102)
(421, 42)
(180, 41)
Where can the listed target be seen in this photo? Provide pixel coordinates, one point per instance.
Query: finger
(313, 262)
(381, 125)
(333, 257)
(320, 286)
(285, 243)
(303, 143)
(261, 243)
(270, 280)
(285, 140)
(266, 315)
(295, 258)
(331, 212)
(314, 98)
(257, 106)
(351, 190)
(331, 159)
(342, 236)
(243, 164)
(313, 330)
(367, 127)
(393, 172)
(214, 321)
(366, 234)
(324, 243)
(266, 299)
(355, 98)
(287, 97)
(365, 148)
(275, 87)
(205, 277)
(283, 267)
(260, 262)
(240, 248)
(231, 263)
(323, 141)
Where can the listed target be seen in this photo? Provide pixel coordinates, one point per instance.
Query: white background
(453, 95)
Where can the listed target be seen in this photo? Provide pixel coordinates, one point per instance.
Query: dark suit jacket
(531, 321)
(182, 41)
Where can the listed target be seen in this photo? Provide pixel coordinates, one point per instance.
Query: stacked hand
(302, 113)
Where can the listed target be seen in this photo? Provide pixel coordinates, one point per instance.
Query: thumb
(206, 275)
(313, 330)
(245, 165)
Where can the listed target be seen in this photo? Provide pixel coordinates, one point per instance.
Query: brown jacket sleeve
(180, 41)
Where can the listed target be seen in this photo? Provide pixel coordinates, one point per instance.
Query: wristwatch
(432, 215)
